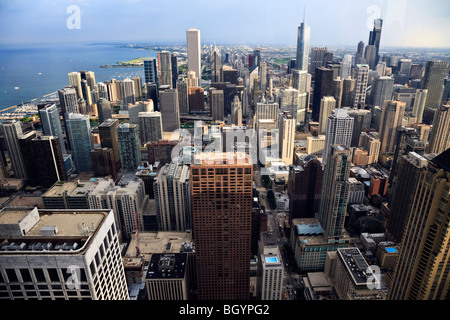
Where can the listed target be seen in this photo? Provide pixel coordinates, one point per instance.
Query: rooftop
(356, 266)
(28, 230)
(167, 266)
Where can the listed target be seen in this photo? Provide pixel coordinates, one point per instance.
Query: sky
(406, 23)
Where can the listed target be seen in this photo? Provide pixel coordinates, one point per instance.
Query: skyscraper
(375, 37)
(108, 138)
(12, 131)
(433, 80)
(440, 133)
(216, 104)
(362, 119)
(129, 146)
(236, 114)
(150, 70)
(174, 66)
(194, 52)
(74, 263)
(410, 168)
(51, 123)
(171, 187)
(303, 38)
(421, 270)
(361, 80)
(128, 95)
(391, 120)
(327, 106)
(75, 81)
(304, 188)
(183, 98)
(317, 59)
(104, 110)
(170, 113)
(286, 127)
(165, 68)
(323, 86)
(221, 218)
(43, 160)
(150, 126)
(382, 90)
(419, 104)
(335, 192)
(339, 131)
(215, 64)
(79, 130)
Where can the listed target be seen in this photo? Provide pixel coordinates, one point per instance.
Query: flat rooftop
(356, 266)
(73, 228)
(167, 266)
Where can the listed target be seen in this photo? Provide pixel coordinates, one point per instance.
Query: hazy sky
(416, 23)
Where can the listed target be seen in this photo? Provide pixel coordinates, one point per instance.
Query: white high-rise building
(128, 95)
(267, 110)
(327, 106)
(419, 104)
(362, 78)
(75, 81)
(346, 66)
(60, 254)
(339, 131)
(194, 52)
(270, 281)
(286, 129)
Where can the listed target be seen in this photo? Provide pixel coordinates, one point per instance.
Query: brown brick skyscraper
(221, 191)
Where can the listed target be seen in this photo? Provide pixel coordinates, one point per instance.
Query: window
(11, 274)
(26, 275)
(53, 274)
(39, 274)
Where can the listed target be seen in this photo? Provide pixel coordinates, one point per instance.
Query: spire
(304, 13)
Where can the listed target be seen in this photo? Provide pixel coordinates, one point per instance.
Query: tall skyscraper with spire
(375, 36)
(303, 45)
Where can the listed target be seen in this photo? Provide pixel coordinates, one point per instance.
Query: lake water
(31, 72)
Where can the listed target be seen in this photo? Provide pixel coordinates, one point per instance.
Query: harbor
(25, 109)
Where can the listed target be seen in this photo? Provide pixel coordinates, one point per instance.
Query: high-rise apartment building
(75, 81)
(369, 141)
(419, 104)
(339, 131)
(194, 52)
(411, 166)
(53, 254)
(421, 271)
(271, 273)
(171, 187)
(361, 80)
(128, 93)
(327, 106)
(391, 120)
(150, 126)
(221, 191)
(79, 132)
(433, 80)
(129, 145)
(440, 132)
(286, 127)
(335, 192)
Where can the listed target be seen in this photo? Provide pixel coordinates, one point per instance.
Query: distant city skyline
(407, 23)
